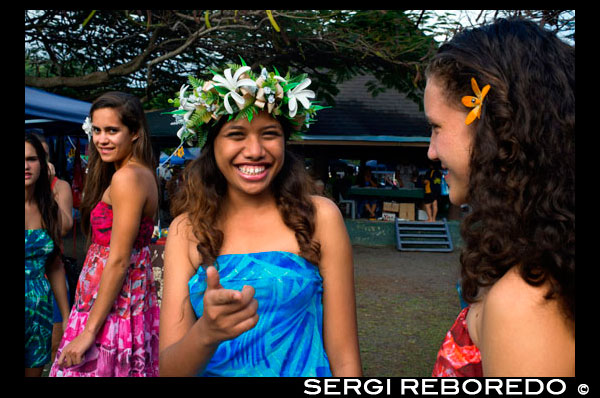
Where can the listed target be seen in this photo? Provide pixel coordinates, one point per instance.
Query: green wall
(381, 233)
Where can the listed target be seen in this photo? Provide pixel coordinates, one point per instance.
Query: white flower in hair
(87, 127)
(299, 93)
(188, 103)
(179, 121)
(232, 84)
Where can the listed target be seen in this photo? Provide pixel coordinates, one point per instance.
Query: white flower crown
(238, 92)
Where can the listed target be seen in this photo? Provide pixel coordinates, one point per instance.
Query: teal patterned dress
(288, 338)
(38, 299)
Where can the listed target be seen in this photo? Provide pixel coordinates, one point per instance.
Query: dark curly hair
(204, 186)
(522, 166)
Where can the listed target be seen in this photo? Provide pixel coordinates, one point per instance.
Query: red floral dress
(127, 343)
(458, 356)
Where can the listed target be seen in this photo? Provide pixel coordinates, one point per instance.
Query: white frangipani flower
(299, 93)
(232, 84)
(187, 103)
(180, 132)
(87, 127)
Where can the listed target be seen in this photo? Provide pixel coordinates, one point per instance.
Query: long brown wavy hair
(44, 198)
(204, 186)
(99, 173)
(522, 166)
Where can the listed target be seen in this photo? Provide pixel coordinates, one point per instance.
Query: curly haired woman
(279, 300)
(509, 149)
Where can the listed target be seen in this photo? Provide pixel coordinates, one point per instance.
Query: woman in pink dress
(113, 326)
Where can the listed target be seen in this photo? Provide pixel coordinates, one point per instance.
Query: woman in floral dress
(43, 268)
(113, 327)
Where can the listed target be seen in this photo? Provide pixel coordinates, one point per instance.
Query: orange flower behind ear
(475, 102)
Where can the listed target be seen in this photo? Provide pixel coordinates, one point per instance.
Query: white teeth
(251, 170)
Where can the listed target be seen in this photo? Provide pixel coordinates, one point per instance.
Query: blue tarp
(51, 106)
(189, 154)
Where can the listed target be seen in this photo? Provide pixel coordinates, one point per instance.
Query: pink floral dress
(127, 343)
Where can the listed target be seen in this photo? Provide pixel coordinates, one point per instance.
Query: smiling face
(451, 139)
(111, 137)
(32, 165)
(250, 154)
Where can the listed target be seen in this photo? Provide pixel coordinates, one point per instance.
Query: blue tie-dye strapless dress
(288, 338)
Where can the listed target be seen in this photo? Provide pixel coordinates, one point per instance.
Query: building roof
(357, 113)
(357, 118)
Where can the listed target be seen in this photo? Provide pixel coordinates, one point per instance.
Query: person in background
(63, 196)
(366, 180)
(444, 204)
(44, 272)
(432, 182)
(319, 187)
(405, 171)
(258, 274)
(61, 190)
(113, 326)
(501, 102)
(399, 183)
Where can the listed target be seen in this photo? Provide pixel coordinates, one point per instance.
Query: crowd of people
(258, 271)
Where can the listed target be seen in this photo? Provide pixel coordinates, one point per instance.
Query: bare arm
(64, 198)
(340, 331)
(55, 271)
(186, 343)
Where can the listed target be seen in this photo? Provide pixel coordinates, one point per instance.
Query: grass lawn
(406, 302)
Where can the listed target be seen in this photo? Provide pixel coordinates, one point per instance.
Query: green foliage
(195, 82)
(150, 53)
(338, 43)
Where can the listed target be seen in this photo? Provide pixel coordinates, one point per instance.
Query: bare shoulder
(512, 298)
(61, 185)
(133, 174)
(137, 184)
(181, 240)
(522, 332)
(181, 226)
(326, 209)
(514, 295)
(330, 229)
(328, 219)
(126, 177)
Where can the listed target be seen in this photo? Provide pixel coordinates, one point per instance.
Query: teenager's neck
(239, 203)
(124, 162)
(29, 194)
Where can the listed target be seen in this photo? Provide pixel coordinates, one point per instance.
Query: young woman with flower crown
(510, 154)
(113, 326)
(258, 274)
